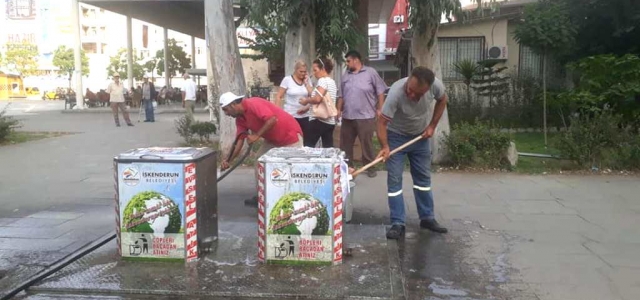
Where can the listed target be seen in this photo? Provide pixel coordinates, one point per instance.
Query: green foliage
(605, 27)
(334, 21)
(335, 28)
(118, 63)
(491, 81)
(467, 69)
(477, 145)
(64, 59)
(547, 28)
(24, 57)
(150, 65)
(183, 128)
(7, 125)
(203, 130)
(179, 61)
(270, 29)
(607, 81)
(598, 140)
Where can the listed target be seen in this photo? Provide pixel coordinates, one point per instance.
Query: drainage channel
(61, 263)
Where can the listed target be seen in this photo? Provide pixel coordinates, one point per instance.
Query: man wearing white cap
(116, 98)
(148, 94)
(265, 120)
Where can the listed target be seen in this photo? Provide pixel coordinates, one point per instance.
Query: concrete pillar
(193, 52)
(77, 73)
(167, 76)
(129, 53)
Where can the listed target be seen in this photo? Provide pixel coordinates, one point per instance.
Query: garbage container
(166, 202)
(301, 194)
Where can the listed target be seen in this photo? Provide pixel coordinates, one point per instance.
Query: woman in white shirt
(321, 128)
(292, 89)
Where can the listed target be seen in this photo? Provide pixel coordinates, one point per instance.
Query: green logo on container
(152, 212)
(299, 214)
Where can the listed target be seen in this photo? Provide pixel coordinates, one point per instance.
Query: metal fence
(453, 50)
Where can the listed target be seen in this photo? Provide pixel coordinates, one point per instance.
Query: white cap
(228, 97)
(145, 76)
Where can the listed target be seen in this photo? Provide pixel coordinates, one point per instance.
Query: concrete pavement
(512, 236)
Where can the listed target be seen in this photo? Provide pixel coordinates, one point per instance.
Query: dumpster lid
(306, 154)
(165, 154)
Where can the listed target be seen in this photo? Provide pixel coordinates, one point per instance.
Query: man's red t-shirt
(258, 111)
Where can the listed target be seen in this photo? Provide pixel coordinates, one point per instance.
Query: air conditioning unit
(498, 52)
(398, 19)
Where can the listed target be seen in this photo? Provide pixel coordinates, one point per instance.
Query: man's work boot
(395, 232)
(433, 226)
(372, 173)
(130, 124)
(253, 201)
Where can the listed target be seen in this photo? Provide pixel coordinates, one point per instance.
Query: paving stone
(617, 255)
(596, 291)
(21, 244)
(31, 233)
(627, 282)
(36, 222)
(56, 215)
(551, 207)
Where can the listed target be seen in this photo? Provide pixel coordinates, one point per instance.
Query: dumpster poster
(151, 210)
(299, 200)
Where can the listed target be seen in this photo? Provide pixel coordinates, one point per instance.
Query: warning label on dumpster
(151, 210)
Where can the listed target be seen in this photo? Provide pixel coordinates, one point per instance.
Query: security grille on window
(374, 47)
(530, 65)
(453, 50)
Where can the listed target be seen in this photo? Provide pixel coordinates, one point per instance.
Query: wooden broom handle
(379, 159)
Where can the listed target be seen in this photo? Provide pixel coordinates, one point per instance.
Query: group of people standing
(358, 101)
(400, 117)
(148, 90)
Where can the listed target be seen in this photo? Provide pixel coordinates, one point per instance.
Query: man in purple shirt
(360, 100)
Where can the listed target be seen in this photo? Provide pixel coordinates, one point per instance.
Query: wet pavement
(422, 266)
(511, 236)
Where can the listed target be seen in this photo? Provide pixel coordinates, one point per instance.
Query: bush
(478, 145)
(600, 140)
(187, 128)
(183, 127)
(7, 125)
(203, 130)
(607, 81)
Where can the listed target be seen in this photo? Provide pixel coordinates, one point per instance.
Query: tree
(548, 30)
(604, 27)
(467, 69)
(179, 61)
(23, 57)
(150, 66)
(118, 63)
(310, 28)
(424, 18)
(224, 65)
(64, 59)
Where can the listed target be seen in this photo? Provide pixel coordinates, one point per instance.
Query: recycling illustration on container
(153, 209)
(300, 206)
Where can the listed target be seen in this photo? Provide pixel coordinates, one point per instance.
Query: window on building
(453, 50)
(530, 65)
(21, 9)
(374, 46)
